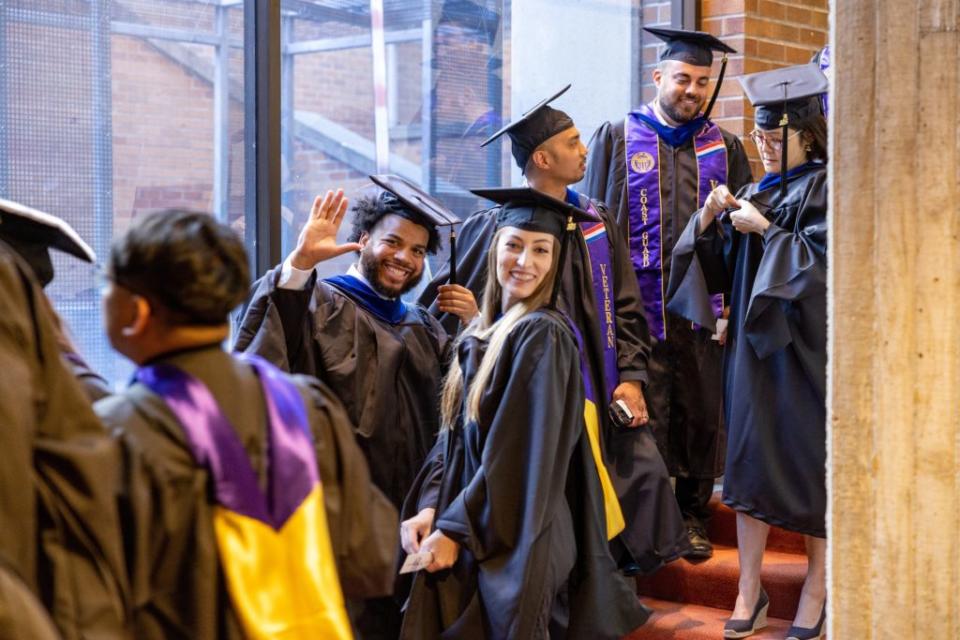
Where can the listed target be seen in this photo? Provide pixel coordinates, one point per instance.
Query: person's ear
(541, 159)
(363, 240)
(657, 75)
(140, 317)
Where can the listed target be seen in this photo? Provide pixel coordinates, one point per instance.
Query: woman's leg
(751, 542)
(815, 586)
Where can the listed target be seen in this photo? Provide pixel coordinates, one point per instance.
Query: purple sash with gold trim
(646, 208)
(274, 546)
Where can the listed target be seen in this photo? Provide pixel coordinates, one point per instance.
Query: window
(416, 92)
(110, 109)
(113, 109)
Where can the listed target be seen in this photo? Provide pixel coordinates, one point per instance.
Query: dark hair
(187, 264)
(369, 210)
(814, 129)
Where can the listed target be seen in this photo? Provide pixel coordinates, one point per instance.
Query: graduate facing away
(246, 502)
(518, 545)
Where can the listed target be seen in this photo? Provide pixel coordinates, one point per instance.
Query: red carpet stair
(692, 601)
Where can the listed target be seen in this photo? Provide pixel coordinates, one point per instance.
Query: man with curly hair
(382, 356)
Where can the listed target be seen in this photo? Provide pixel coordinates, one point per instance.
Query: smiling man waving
(381, 356)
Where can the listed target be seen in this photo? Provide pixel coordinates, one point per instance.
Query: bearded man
(654, 169)
(380, 355)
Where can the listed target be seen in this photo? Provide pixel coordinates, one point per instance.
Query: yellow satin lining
(611, 504)
(283, 584)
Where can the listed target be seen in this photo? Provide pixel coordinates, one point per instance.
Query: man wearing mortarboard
(32, 234)
(599, 293)
(654, 169)
(383, 357)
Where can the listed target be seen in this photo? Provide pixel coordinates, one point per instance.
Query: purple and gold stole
(275, 549)
(646, 208)
(598, 249)
(615, 522)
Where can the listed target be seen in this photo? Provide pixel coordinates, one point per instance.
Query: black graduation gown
(774, 368)
(386, 375)
(178, 588)
(59, 526)
(684, 393)
(21, 614)
(655, 533)
(521, 495)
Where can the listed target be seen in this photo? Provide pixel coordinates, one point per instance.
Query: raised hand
(318, 238)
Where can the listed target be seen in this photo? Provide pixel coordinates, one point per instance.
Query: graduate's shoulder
(546, 326)
(480, 219)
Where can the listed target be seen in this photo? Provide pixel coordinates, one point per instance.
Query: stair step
(723, 530)
(713, 583)
(676, 621)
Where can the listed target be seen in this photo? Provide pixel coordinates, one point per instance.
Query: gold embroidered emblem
(641, 162)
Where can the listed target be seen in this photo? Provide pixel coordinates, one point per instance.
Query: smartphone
(620, 413)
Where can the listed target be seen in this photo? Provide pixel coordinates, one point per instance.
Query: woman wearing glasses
(766, 249)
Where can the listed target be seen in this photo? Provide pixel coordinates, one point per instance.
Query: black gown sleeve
(364, 525)
(598, 182)
(702, 265)
(793, 268)
(276, 324)
(58, 514)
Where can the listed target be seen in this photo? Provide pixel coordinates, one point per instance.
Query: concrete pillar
(894, 376)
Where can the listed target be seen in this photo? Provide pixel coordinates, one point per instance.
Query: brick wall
(766, 34)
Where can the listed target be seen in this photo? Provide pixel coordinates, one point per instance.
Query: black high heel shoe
(802, 633)
(758, 620)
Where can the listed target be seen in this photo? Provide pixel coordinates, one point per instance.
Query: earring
(808, 148)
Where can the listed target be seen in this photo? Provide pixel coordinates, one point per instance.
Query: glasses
(775, 143)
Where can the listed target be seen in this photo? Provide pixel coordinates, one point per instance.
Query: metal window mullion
(102, 126)
(683, 14)
(221, 119)
(262, 103)
(4, 108)
(427, 134)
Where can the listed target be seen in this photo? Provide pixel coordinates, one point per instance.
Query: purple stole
(598, 249)
(646, 209)
(824, 65)
(274, 547)
(613, 513)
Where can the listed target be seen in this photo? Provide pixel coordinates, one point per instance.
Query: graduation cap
(532, 210)
(785, 97)
(31, 233)
(533, 128)
(425, 207)
(696, 48)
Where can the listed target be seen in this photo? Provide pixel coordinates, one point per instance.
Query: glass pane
(111, 109)
(453, 72)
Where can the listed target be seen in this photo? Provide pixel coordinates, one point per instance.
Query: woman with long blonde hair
(518, 547)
